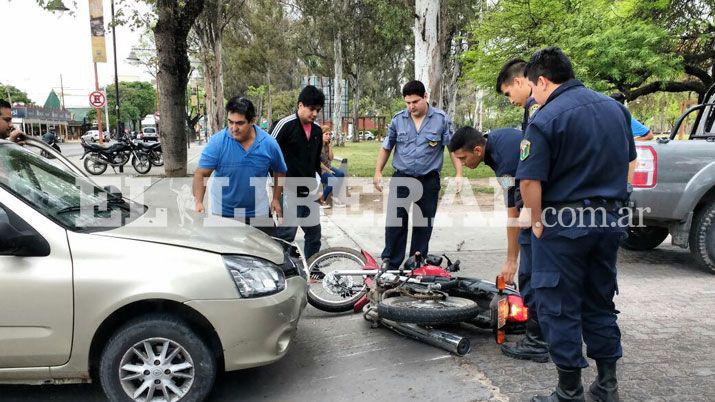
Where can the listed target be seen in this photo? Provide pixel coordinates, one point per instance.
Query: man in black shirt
(301, 141)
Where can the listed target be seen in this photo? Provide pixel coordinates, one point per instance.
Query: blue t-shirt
(228, 159)
(638, 128)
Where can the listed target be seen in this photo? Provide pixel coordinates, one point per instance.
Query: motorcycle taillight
(518, 312)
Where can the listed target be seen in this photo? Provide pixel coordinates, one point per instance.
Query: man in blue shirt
(512, 84)
(418, 134)
(574, 167)
(241, 152)
(640, 131)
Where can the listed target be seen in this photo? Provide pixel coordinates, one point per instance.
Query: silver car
(91, 292)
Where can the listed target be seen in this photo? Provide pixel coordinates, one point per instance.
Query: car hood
(227, 237)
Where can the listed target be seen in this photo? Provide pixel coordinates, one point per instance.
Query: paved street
(666, 305)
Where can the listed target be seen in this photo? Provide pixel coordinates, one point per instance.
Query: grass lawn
(362, 155)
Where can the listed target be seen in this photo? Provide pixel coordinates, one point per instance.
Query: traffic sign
(97, 99)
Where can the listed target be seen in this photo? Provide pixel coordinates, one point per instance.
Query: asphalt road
(666, 305)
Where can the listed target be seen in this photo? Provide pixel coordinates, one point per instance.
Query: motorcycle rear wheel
(157, 159)
(450, 310)
(93, 167)
(327, 293)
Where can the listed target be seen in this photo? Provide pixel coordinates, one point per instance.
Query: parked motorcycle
(153, 149)
(97, 157)
(413, 300)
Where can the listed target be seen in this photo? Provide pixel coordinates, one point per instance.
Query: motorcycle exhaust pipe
(448, 341)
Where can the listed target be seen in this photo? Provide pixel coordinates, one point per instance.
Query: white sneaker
(324, 205)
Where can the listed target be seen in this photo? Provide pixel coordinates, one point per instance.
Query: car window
(69, 199)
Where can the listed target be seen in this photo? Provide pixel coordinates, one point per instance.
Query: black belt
(609, 205)
(400, 173)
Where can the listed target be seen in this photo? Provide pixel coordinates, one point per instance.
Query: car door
(36, 292)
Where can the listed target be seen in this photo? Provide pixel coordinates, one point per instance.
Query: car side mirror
(27, 243)
(113, 192)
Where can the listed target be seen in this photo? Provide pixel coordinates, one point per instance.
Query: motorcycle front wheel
(141, 163)
(93, 166)
(332, 293)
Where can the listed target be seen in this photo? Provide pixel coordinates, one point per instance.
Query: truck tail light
(645, 174)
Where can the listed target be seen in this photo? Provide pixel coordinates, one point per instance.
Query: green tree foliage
(13, 94)
(637, 47)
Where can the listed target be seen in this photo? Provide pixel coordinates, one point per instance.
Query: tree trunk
(357, 93)
(172, 28)
(209, 92)
(428, 61)
(219, 114)
(270, 99)
(338, 87)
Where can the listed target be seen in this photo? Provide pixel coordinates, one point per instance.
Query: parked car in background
(366, 135)
(148, 134)
(674, 183)
(92, 290)
(93, 136)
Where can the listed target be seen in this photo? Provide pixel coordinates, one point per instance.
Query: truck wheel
(157, 357)
(702, 237)
(645, 238)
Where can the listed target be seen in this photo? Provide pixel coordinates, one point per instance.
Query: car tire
(702, 237)
(157, 331)
(644, 238)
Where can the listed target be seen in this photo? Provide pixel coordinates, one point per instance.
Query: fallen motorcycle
(413, 301)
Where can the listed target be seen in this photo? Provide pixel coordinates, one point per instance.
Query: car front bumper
(257, 331)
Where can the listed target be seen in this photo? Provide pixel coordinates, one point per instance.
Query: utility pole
(118, 125)
(62, 92)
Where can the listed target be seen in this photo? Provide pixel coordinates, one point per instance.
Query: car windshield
(68, 199)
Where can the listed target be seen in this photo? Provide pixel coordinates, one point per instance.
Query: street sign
(97, 99)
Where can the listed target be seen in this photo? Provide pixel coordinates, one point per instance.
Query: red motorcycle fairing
(431, 270)
(370, 262)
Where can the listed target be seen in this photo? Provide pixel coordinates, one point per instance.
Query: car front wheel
(157, 358)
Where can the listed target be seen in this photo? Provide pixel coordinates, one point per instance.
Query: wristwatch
(537, 224)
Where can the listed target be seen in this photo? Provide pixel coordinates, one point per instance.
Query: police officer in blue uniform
(574, 167)
(512, 84)
(418, 134)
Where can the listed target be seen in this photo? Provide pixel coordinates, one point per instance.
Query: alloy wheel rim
(156, 369)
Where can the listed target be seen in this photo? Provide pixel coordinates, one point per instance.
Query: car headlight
(255, 277)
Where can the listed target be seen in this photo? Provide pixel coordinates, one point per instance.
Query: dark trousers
(396, 236)
(325, 179)
(574, 281)
(288, 231)
(525, 288)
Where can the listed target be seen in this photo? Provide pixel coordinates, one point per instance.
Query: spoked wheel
(93, 166)
(449, 310)
(141, 163)
(328, 291)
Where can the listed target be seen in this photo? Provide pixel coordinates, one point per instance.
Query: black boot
(569, 389)
(605, 387)
(531, 347)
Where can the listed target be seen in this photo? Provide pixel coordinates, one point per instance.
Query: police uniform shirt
(418, 153)
(501, 154)
(529, 109)
(578, 145)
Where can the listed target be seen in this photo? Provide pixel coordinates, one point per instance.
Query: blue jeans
(325, 177)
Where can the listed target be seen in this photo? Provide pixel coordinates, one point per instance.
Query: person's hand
(508, 271)
(16, 135)
(200, 207)
(524, 220)
(459, 180)
(537, 230)
(331, 172)
(377, 181)
(277, 208)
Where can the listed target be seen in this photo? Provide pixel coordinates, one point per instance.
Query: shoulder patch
(533, 108)
(524, 149)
